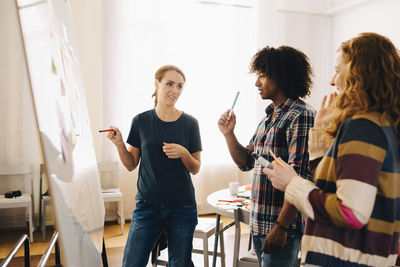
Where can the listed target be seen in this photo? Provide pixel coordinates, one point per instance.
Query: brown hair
(160, 75)
(372, 81)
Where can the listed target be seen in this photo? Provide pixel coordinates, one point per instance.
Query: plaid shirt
(287, 137)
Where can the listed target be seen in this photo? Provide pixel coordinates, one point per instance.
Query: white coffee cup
(234, 188)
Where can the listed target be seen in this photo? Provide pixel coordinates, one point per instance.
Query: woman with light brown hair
(353, 210)
(166, 141)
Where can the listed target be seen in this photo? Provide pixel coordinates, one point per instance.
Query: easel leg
(104, 255)
(57, 252)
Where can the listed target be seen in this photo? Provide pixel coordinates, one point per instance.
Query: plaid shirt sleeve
(250, 161)
(297, 139)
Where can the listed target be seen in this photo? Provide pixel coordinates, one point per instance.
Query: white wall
(301, 25)
(318, 27)
(374, 16)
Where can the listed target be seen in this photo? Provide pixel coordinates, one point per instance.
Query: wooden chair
(250, 259)
(204, 229)
(112, 194)
(44, 201)
(24, 201)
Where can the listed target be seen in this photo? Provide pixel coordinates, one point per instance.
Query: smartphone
(261, 160)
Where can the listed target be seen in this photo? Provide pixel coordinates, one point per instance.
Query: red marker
(232, 201)
(107, 130)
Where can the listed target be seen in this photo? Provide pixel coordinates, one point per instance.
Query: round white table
(214, 204)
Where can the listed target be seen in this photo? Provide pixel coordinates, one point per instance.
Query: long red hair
(372, 81)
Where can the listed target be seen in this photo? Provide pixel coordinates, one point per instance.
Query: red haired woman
(353, 207)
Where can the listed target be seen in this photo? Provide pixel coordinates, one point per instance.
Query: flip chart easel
(63, 122)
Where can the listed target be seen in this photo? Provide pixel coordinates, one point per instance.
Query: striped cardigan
(353, 208)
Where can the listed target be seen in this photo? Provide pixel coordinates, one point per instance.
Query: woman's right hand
(226, 124)
(115, 136)
(325, 112)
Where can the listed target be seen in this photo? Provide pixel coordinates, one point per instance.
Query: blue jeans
(288, 256)
(146, 227)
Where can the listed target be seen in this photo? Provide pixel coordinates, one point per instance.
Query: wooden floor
(115, 243)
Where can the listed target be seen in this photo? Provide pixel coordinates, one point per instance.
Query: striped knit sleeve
(250, 148)
(360, 151)
(297, 192)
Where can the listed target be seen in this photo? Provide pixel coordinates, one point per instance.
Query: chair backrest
(17, 170)
(109, 174)
(42, 172)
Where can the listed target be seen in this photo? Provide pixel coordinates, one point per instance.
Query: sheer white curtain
(19, 143)
(212, 44)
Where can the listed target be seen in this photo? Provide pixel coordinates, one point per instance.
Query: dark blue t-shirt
(162, 180)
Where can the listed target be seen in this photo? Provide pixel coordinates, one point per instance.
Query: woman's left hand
(174, 151)
(280, 175)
